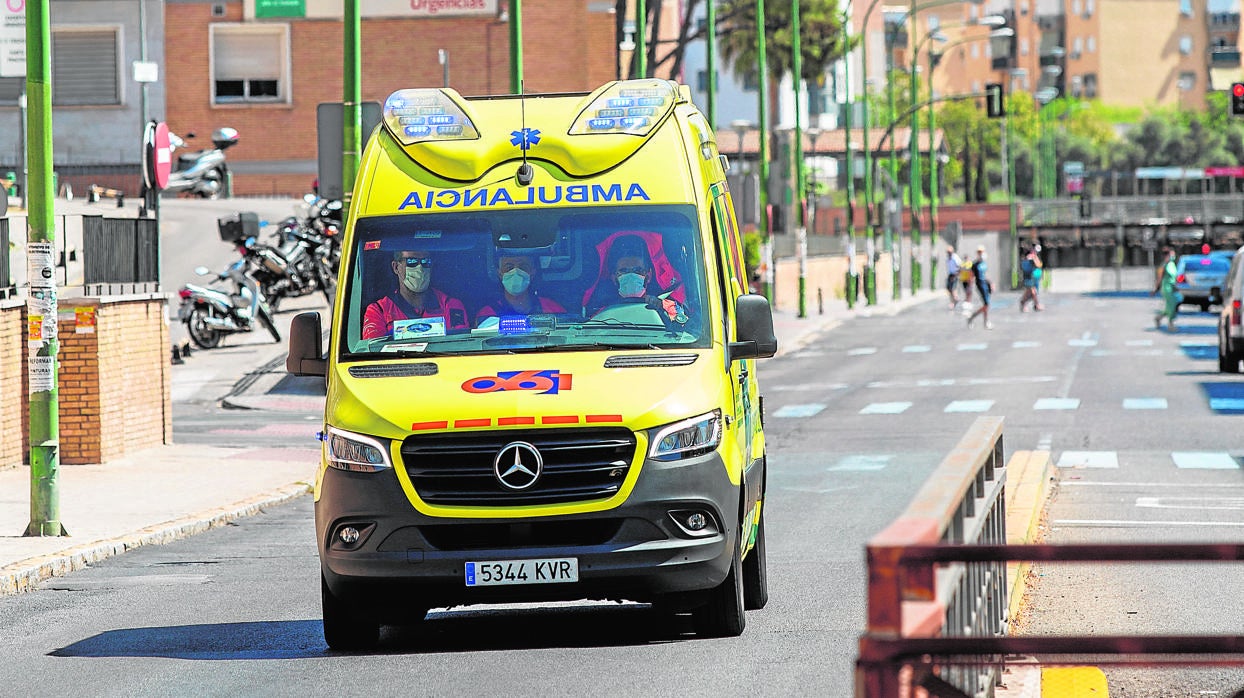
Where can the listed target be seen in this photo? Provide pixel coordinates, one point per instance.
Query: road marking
(862, 351)
(1204, 461)
(1226, 403)
(1088, 459)
(1198, 503)
(808, 353)
(917, 349)
(1056, 403)
(286, 429)
(805, 387)
(1144, 403)
(1148, 485)
(981, 346)
(1082, 342)
(886, 408)
(1121, 522)
(1007, 380)
(862, 463)
(799, 410)
(1139, 342)
(1043, 444)
(969, 406)
(1025, 345)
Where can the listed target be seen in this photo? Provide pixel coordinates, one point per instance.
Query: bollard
(185, 350)
(177, 356)
(820, 302)
(120, 200)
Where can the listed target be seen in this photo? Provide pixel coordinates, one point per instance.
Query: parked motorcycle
(201, 173)
(211, 312)
(297, 265)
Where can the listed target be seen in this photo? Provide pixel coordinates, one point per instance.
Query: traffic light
(995, 101)
(1237, 99)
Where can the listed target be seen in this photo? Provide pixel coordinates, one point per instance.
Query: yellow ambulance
(540, 369)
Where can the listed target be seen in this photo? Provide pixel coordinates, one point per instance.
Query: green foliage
(821, 37)
(752, 243)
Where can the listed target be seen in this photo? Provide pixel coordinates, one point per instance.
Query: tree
(820, 36)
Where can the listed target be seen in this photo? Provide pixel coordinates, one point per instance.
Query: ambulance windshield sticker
(371, 245)
(419, 327)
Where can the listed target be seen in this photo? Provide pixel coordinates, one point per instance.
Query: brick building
(235, 64)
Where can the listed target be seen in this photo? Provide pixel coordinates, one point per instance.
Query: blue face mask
(631, 285)
(515, 281)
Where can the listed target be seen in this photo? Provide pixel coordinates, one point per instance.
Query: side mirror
(306, 350)
(755, 328)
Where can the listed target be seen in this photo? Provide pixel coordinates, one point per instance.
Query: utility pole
(852, 285)
(762, 87)
(516, 46)
(352, 100)
(710, 58)
(914, 163)
(797, 78)
(641, 38)
(41, 304)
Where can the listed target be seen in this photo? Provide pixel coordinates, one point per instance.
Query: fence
(6, 275)
(1156, 210)
(120, 250)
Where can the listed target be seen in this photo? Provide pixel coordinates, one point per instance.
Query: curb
(22, 576)
(1026, 494)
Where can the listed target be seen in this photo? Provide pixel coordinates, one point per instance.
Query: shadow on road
(459, 630)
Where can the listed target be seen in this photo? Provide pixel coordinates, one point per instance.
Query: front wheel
(266, 320)
(723, 614)
(345, 629)
(201, 333)
(1228, 361)
(326, 280)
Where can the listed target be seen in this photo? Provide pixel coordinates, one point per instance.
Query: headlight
(355, 452)
(688, 438)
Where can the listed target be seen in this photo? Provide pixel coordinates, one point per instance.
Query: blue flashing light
(621, 102)
(412, 120)
(602, 124)
(430, 111)
(641, 111)
(441, 120)
(418, 131)
(652, 102)
(513, 324)
(610, 113)
(454, 130)
(634, 122)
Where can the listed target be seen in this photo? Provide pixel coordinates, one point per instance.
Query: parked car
(1201, 278)
(1231, 318)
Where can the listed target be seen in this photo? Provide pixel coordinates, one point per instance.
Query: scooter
(201, 173)
(211, 313)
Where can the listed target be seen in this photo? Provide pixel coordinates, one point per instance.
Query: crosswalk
(1196, 349)
(1074, 460)
(985, 405)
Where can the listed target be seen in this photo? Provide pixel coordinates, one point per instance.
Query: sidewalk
(169, 492)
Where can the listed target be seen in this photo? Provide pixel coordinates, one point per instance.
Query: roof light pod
(631, 106)
(418, 115)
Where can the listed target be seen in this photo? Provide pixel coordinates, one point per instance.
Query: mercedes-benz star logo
(518, 465)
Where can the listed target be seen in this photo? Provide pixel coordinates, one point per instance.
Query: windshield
(564, 279)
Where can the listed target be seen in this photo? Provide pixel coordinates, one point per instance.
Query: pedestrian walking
(984, 287)
(953, 265)
(1030, 271)
(1165, 284)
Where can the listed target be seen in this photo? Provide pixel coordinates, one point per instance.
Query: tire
(266, 320)
(755, 572)
(326, 280)
(1228, 361)
(1205, 307)
(723, 614)
(345, 629)
(203, 335)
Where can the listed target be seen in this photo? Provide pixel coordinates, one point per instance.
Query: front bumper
(406, 560)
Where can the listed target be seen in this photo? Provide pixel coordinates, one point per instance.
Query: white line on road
(1204, 461)
(862, 351)
(799, 410)
(1056, 403)
(1198, 503)
(1122, 523)
(886, 408)
(969, 406)
(1088, 459)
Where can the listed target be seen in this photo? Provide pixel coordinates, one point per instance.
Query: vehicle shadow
(448, 631)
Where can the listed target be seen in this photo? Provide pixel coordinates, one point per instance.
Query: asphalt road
(855, 422)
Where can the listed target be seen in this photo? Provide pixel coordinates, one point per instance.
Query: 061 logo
(547, 382)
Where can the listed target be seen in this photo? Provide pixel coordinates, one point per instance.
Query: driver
(629, 270)
(413, 298)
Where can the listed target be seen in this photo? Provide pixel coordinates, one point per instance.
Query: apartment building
(1123, 52)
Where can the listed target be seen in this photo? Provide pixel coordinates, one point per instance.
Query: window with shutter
(10, 90)
(250, 63)
(84, 67)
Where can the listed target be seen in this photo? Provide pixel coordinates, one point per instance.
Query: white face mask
(631, 285)
(417, 279)
(515, 281)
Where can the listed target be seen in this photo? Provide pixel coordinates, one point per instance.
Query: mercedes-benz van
(541, 379)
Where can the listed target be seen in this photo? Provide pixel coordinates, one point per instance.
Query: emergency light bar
(417, 115)
(631, 106)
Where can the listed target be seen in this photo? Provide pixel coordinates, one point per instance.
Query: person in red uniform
(413, 298)
(518, 297)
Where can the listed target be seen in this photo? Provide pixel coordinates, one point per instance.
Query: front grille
(579, 464)
(551, 534)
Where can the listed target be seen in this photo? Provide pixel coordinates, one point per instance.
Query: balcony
(1227, 57)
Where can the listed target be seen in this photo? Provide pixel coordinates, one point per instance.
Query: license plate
(546, 571)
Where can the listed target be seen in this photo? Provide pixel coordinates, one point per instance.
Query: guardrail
(1190, 208)
(962, 502)
(935, 621)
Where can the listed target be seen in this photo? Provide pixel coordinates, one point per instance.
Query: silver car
(1231, 317)
(1201, 278)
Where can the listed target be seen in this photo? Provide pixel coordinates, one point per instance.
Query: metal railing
(120, 250)
(961, 503)
(1135, 210)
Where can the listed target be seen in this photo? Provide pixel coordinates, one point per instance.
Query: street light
(442, 57)
(934, 61)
